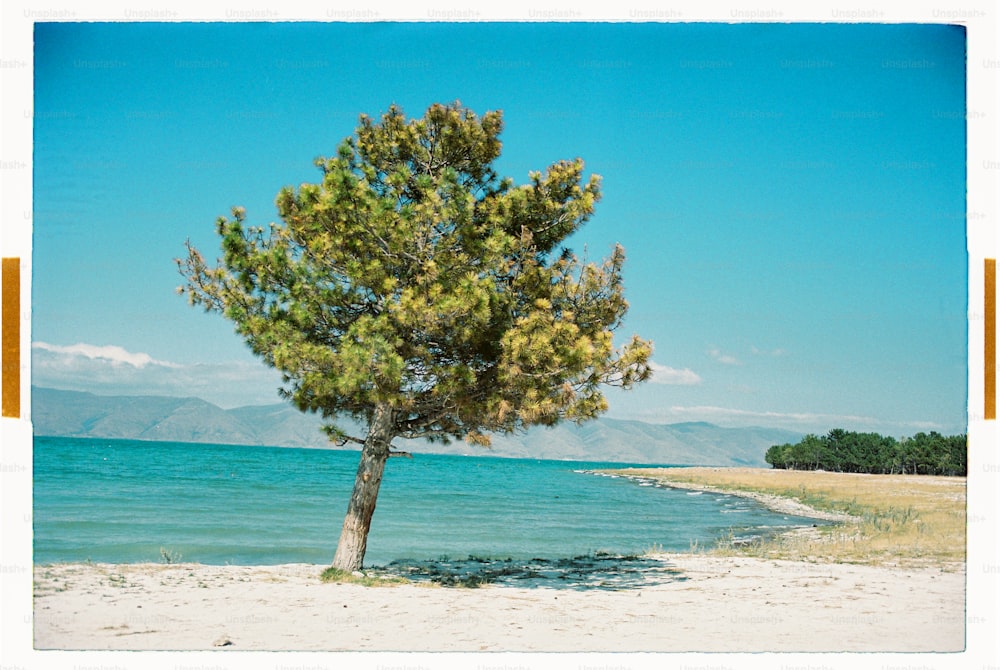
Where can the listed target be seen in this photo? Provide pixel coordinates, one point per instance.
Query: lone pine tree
(415, 290)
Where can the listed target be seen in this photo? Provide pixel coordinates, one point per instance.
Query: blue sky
(791, 197)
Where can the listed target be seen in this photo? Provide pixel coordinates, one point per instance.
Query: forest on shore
(844, 451)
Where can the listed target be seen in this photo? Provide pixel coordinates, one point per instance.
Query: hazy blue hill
(639, 442)
(282, 425)
(195, 420)
(76, 414)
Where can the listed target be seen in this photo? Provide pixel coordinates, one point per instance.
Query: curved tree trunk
(354, 535)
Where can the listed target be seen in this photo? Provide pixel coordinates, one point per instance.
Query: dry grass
(903, 520)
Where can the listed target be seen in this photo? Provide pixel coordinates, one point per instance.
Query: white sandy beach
(725, 604)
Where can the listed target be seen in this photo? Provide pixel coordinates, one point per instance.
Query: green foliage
(336, 576)
(168, 556)
(843, 451)
(413, 278)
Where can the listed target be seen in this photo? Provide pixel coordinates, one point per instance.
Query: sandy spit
(721, 604)
(775, 503)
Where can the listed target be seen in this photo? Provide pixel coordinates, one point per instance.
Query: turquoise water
(122, 501)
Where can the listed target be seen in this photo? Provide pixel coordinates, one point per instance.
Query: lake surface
(125, 501)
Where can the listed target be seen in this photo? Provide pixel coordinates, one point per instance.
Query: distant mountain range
(77, 414)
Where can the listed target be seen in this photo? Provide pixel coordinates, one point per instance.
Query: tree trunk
(354, 535)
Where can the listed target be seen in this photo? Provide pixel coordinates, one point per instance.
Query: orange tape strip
(990, 337)
(12, 337)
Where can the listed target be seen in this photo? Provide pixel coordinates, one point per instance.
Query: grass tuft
(169, 557)
(336, 576)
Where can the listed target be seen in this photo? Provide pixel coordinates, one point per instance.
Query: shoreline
(888, 520)
(775, 503)
(704, 602)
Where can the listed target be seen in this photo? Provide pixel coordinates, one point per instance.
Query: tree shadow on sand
(596, 571)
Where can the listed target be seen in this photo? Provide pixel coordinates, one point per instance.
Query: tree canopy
(416, 290)
(845, 451)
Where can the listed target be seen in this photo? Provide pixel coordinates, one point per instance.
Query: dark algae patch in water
(603, 571)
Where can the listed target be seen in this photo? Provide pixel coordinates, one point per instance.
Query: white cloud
(814, 422)
(724, 358)
(113, 370)
(663, 374)
(713, 413)
(111, 353)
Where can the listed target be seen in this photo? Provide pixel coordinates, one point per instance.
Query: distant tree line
(845, 451)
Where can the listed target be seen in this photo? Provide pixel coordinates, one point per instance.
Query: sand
(775, 503)
(722, 604)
